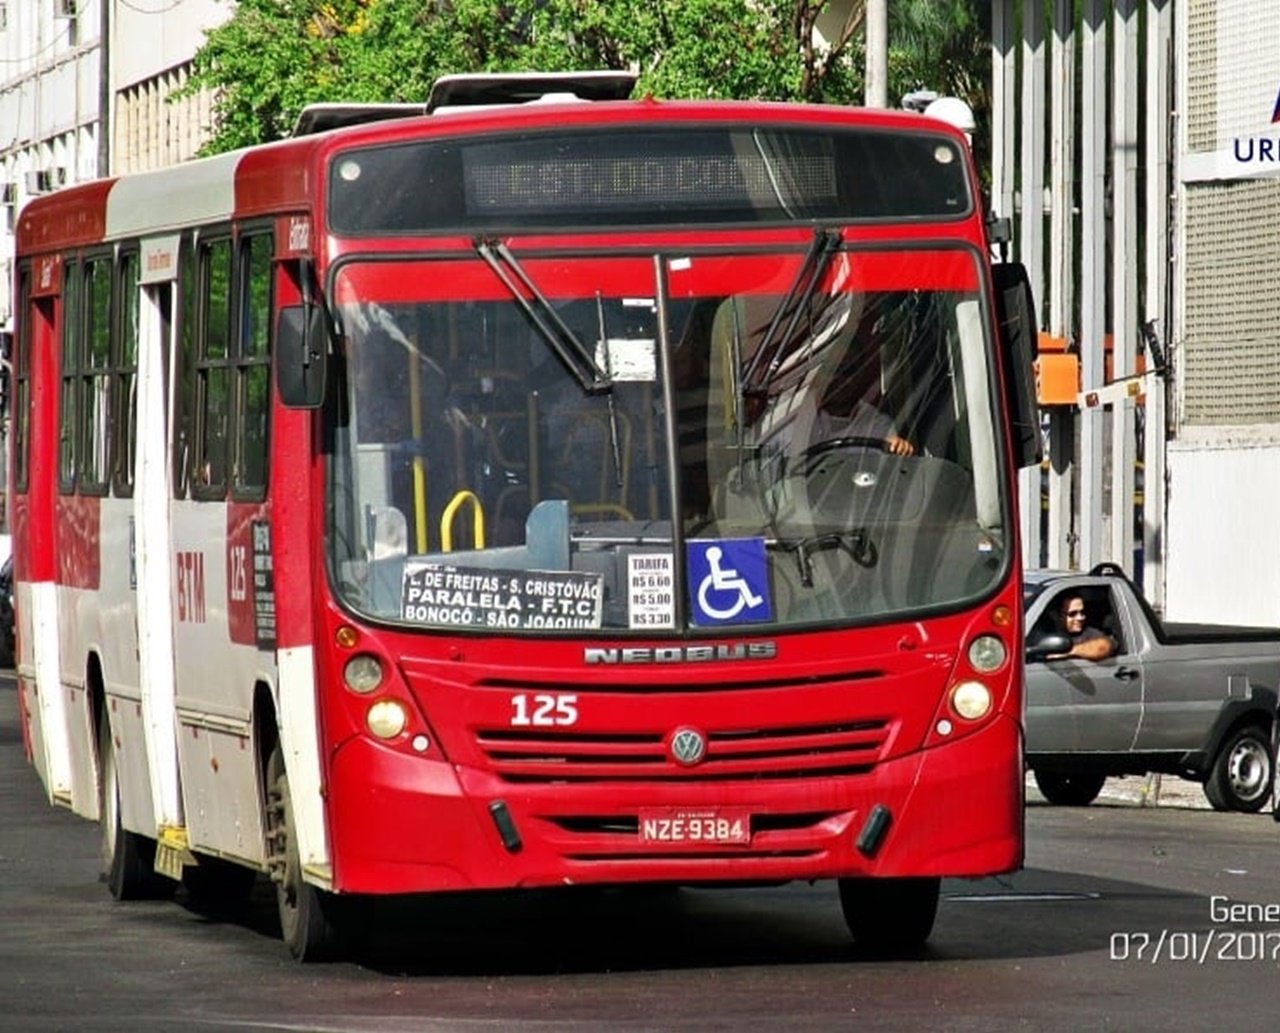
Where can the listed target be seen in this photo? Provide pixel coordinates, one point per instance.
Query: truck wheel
(1240, 779)
(1069, 790)
(129, 859)
(890, 915)
(306, 921)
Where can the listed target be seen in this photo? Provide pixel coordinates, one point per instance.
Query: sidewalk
(1142, 791)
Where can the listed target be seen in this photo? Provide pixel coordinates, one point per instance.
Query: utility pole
(105, 92)
(877, 77)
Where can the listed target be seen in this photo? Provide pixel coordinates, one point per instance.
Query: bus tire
(306, 913)
(1240, 779)
(890, 915)
(127, 857)
(1066, 789)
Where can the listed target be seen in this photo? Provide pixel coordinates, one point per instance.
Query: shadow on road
(1035, 913)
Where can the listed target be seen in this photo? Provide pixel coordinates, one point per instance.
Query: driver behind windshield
(852, 405)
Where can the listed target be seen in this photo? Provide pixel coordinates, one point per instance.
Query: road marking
(1016, 898)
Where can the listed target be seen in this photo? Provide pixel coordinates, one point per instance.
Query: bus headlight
(971, 700)
(386, 718)
(362, 673)
(987, 653)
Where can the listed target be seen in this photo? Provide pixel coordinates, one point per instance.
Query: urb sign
(1259, 149)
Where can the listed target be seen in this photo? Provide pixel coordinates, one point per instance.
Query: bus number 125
(543, 710)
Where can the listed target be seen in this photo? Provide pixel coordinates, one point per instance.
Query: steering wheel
(810, 456)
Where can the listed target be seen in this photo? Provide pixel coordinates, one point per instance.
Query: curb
(1143, 791)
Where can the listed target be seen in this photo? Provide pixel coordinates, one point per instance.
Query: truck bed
(1181, 633)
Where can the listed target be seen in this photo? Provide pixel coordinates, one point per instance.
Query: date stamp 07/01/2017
(1222, 942)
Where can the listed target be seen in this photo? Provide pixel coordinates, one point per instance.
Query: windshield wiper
(542, 314)
(857, 543)
(796, 302)
(615, 450)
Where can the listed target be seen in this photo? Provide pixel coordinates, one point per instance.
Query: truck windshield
(657, 443)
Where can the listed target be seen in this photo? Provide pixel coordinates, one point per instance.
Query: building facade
(1224, 449)
(86, 91)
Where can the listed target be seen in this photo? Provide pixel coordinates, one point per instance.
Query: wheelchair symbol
(730, 588)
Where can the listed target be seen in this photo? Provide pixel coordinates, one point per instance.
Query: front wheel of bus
(306, 926)
(890, 915)
(129, 859)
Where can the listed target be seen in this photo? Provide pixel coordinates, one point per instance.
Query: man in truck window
(853, 404)
(1087, 642)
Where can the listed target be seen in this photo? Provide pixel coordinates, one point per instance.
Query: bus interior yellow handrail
(460, 499)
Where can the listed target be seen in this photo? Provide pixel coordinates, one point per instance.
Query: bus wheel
(129, 859)
(306, 923)
(892, 915)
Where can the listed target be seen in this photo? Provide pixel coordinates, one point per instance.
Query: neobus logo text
(680, 654)
(191, 587)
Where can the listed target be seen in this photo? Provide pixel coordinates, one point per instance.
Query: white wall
(151, 38)
(1223, 534)
(1223, 531)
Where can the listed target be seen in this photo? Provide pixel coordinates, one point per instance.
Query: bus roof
(281, 176)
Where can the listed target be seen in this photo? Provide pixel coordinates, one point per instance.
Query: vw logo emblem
(864, 479)
(688, 747)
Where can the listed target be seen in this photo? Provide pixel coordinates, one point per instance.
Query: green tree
(943, 45)
(273, 57)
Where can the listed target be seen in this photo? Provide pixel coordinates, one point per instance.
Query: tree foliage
(273, 57)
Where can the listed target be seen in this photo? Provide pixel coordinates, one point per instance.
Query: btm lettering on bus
(190, 595)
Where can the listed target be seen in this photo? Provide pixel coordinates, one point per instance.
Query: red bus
(543, 494)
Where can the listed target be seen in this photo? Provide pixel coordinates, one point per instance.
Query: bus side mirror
(301, 356)
(1019, 333)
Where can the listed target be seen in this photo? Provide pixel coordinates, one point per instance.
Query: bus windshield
(552, 443)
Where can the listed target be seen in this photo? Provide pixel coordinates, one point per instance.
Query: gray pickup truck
(1192, 700)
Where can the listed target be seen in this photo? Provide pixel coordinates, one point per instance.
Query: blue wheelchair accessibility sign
(728, 582)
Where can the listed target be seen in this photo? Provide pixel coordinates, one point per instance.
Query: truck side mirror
(1046, 646)
(1016, 321)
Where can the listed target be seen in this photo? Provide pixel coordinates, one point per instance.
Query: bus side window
(213, 381)
(71, 322)
(183, 387)
(124, 376)
(93, 441)
(252, 363)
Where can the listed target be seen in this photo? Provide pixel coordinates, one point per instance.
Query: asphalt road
(1122, 919)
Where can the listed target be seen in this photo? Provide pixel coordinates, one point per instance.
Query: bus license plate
(714, 826)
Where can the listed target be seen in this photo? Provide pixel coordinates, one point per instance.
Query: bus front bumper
(402, 824)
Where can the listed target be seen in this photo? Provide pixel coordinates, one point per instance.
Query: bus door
(152, 508)
(35, 585)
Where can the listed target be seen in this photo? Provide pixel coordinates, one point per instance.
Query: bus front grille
(809, 751)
